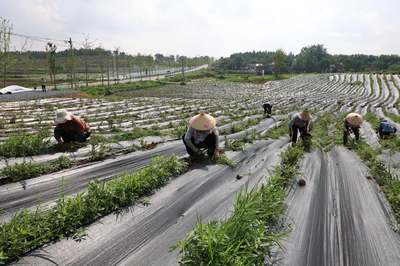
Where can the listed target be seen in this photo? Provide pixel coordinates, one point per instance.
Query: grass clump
(120, 88)
(29, 229)
(249, 235)
(31, 169)
(223, 159)
(25, 145)
(387, 180)
(280, 130)
(237, 145)
(372, 119)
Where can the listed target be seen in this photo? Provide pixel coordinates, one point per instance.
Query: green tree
(87, 46)
(319, 51)
(51, 60)
(279, 58)
(159, 57)
(116, 61)
(139, 63)
(128, 62)
(289, 61)
(101, 62)
(150, 63)
(7, 58)
(27, 53)
(238, 62)
(324, 65)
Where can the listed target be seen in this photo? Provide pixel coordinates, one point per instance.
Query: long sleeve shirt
(385, 127)
(200, 136)
(75, 124)
(346, 125)
(298, 122)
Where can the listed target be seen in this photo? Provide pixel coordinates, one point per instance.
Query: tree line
(313, 58)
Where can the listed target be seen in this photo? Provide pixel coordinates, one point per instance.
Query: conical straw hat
(305, 115)
(354, 119)
(202, 122)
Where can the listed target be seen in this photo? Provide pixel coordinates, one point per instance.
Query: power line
(35, 37)
(44, 39)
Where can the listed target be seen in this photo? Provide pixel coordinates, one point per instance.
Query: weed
(248, 236)
(223, 159)
(99, 150)
(143, 144)
(13, 119)
(25, 145)
(29, 229)
(31, 169)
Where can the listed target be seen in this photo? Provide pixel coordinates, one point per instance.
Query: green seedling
(29, 229)
(246, 236)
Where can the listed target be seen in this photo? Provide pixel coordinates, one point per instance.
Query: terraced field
(346, 214)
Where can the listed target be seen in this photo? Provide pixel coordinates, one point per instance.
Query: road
(112, 82)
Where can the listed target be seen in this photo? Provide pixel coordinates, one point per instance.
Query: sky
(215, 28)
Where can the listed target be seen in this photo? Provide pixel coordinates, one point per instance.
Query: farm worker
(70, 128)
(202, 133)
(351, 123)
(43, 85)
(385, 128)
(267, 109)
(299, 123)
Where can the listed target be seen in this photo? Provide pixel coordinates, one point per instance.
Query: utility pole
(73, 63)
(108, 73)
(5, 52)
(183, 68)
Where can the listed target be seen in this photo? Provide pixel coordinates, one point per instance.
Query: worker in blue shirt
(385, 128)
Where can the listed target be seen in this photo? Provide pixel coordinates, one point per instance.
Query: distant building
(339, 67)
(251, 67)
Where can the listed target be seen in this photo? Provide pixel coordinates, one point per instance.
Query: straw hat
(305, 115)
(354, 119)
(62, 116)
(202, 122)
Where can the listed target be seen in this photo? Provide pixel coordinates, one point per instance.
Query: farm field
(346, 214)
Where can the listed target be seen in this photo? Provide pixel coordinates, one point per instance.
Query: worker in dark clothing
(385, 128)
(299, 123)
(267, 109)
(351, 124)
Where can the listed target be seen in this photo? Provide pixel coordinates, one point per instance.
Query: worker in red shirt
(70, 128)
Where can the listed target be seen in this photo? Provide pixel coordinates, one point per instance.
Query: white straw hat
(62, 116)
(202, 122)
